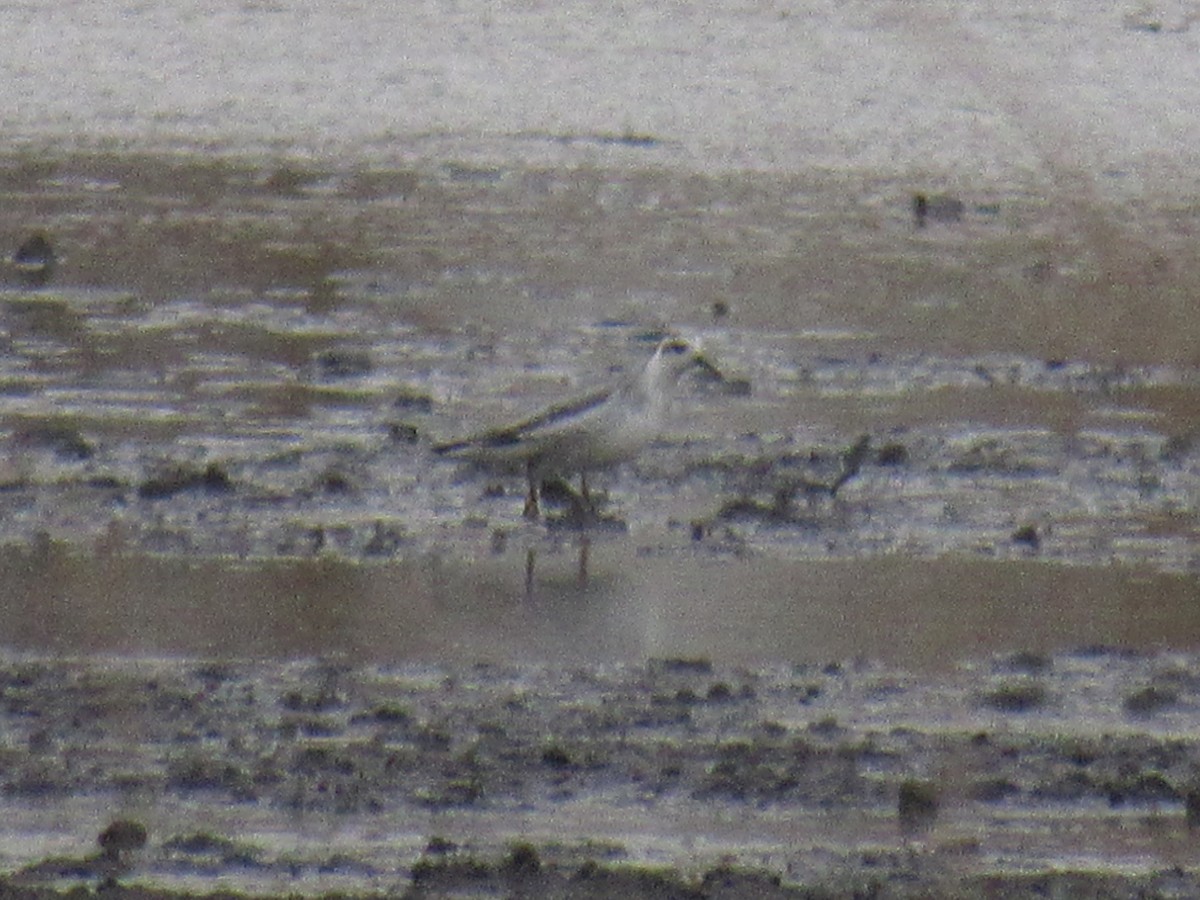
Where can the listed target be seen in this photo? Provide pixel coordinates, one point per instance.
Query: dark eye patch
(676, 347)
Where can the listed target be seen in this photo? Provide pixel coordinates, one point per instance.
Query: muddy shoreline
(674, 778)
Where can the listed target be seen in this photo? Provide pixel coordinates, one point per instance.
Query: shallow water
(918, 615)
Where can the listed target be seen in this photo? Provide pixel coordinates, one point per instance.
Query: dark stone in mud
(335, 480)
(185, 477)
(291, 180)
(106, 483)
(892, 454)
(555, 757)
(1149, 700)
(198, 773)
(389, 715)
(322, 700)
(720, 692)
(916, 806)
(403, 433)
(413, 400)
(35, 260)
(990, 456)
(680, 666)
(1027, 662)
(625, 138)
(1141, 787)
(385, 540)
(200, 843)
(942, 208)
(1016, 696)
(431, 875)
(333, 364)
(64, 440)
(122, 836)
(1027, 535)
(740, 882)
(994, 790)
(440, 846)
(522, 859)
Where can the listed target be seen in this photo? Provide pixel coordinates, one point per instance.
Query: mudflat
(247, 608)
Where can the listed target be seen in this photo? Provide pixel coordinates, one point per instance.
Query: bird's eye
(676, 347)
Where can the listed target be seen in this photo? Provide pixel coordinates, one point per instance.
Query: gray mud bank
(1075, 773)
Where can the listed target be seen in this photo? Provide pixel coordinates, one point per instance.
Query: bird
(595, 431)
(35, 260)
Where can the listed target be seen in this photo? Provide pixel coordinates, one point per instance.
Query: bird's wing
(545, 422)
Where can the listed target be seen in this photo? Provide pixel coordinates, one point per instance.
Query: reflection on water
(918, 614)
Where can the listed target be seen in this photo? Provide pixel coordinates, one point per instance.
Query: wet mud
(217, 412)
(671, 778)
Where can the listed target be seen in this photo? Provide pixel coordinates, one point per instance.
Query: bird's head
(674, 357)
(681, 354)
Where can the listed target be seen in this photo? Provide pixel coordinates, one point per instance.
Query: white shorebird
(595, 431)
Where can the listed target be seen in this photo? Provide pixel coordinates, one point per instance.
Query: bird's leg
(531, 499)
(585, 545)
(530, 563)
(585, 507)
(852, 460)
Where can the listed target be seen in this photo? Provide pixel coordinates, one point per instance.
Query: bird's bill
(692, 356)
(708, 367)
(710, 373)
